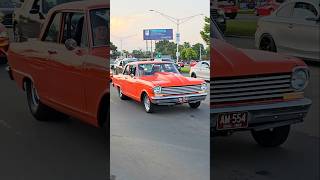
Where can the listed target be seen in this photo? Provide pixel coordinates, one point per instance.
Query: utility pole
(178, 22)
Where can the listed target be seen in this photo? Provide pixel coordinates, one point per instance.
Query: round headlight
(157, 90)
(300, 78)
(204, 86)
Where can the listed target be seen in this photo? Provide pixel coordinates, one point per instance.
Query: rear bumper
(265, 116)
(172, 100)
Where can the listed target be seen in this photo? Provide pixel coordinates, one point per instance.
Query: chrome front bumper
(172, 100)
(265, 116)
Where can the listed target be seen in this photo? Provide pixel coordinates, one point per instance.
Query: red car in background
(193, 63)
(268, 7)
(229, 8)
(4, 44)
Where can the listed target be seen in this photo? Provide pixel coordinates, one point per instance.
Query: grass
(246, 11)
(185, 69)
(241, 28)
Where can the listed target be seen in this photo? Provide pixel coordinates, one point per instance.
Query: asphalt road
(237, 157)
(170, 144)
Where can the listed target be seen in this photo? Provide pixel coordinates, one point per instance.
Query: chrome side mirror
(71, 44)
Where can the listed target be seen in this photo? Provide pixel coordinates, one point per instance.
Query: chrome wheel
(146, 103)
(34, 96)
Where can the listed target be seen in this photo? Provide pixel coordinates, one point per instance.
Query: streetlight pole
(178, 22)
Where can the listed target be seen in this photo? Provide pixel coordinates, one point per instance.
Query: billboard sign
(158, 34)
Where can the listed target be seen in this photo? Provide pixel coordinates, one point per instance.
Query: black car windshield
(6, 4)
(215, 31)
(100, 27)
(150, 69)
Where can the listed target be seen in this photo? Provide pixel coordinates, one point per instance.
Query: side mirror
(70, 44)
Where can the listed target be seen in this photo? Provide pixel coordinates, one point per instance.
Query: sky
(130, 17)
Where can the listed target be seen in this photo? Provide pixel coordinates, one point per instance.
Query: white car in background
(201, 70)
(294, 29)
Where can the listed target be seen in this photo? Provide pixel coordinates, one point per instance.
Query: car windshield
(151, 69)
(100, 27)
(49, 4)
(215, 31)
(6, 4)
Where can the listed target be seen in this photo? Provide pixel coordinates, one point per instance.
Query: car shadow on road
(239, 157)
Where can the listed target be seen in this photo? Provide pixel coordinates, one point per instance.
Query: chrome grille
(239, 89)
(180, 90)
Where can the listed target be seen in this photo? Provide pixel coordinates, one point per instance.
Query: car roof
(82, 5)
(316, 3)
(149, 62)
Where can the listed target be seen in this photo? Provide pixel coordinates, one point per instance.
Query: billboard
(158, 34)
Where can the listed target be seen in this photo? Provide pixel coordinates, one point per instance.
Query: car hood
(229, 61)
(170, 79)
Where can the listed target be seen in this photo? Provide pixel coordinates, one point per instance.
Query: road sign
(158, 34)
(178, 37)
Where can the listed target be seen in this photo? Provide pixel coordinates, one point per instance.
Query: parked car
(121, 63)
(294, 29)
(229, 8)
(66, 73)
(268, 7)
(201, 70)
(28, 19)
(158, 83)
(4, 44)
(6, 10)
(254, 90)
(193, 63)
(218, 15)
(180, 64)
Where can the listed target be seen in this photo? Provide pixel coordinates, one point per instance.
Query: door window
(132, 69)
(53, 32)
(74, 28)
(205, 65)
(302, 10)
(285, 11)
(126, 71)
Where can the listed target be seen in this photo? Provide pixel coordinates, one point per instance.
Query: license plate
(183, 100)
(233, 120)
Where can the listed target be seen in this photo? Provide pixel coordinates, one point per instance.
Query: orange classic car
(158, 83)
(4, 44)
(65, 71)
(255, 90)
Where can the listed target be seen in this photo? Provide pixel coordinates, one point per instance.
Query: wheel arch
(103, 109)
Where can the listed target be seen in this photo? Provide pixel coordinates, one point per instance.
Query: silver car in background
(294, 29)
(201, 70)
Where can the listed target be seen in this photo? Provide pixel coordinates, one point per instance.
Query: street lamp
(178, 22)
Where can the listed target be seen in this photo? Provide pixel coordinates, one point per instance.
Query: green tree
(114, 51)
(166, 47)
(196, 48)
(205, 33)
(138, 53)
(189, 54)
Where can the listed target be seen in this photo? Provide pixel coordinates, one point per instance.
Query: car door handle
(52, 52)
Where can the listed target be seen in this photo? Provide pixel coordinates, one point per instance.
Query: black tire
(195, 105)
(271, 137)
(3, 60)
(40, 111)
(149, 107)
(267, 43)
(193, 75)
(121, 95)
